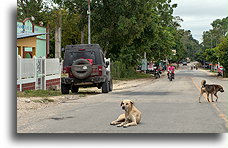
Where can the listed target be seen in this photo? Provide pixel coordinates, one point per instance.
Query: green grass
(136, 76)
(38, 93)
(48, 93)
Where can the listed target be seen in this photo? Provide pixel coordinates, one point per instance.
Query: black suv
(86, 67)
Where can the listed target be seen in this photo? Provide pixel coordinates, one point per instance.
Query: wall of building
(29, 42)
(40, 42)
(40, 48)
(19, 27)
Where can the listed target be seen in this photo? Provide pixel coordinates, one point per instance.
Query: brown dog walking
(210, 89)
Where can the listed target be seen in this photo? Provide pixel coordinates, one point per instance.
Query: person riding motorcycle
(171, 70)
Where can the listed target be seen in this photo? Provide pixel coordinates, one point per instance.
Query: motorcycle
(157, 73)
(170, 75)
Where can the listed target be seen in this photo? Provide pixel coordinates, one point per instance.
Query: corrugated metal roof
(25, 35)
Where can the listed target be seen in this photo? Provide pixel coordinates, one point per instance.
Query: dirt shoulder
(27, 104)
(208, 72)
(213, 74)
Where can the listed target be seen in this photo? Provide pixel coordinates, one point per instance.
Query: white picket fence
(37, 70)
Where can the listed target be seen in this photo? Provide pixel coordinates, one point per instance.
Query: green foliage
(125, 29)
(130, 28)
(214, 36)
(29, 8)
(214, 45)
(223, 53)
(199, 56)
(38, 93)
(122, 71)
(211, 55)
(190, 45)
(70, 34)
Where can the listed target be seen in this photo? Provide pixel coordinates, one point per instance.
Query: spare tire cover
(81, 68)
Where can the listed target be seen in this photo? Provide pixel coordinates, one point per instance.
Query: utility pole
(58, 34)
(88, 12)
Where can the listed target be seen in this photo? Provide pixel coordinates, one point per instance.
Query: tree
(78, 7)
(214, 36)
(211, 55)
(29, 8)
(223, 53)
(131, 27)
(212, 39)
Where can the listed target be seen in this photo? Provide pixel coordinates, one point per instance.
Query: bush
(223, 54)
(120, 70)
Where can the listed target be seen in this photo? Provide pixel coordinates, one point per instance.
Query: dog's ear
(121, 103)
(132, 102)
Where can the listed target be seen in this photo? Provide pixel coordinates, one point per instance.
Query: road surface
(166, 106)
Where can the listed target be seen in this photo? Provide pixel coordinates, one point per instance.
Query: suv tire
(105, 87)
(110, 85)
(74, 89)
(65, 88)
(78, 71)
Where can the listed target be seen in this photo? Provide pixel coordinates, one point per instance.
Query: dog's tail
(203, 83)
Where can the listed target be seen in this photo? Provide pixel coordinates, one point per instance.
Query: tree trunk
(58, 35)
(82, 35)
(57, 42)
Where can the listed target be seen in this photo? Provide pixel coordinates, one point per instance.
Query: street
(166, 106)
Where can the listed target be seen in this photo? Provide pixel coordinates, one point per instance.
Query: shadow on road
(88, 93)
(143, 93)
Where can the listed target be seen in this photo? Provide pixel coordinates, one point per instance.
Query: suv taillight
(99, 70)
(66, 69)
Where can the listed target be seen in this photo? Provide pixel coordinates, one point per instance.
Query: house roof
(26, 35)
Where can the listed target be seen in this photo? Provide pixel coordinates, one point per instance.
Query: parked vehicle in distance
(220, 71)
(188, 60)
(184, 63)
(86, 67)
(157, 73)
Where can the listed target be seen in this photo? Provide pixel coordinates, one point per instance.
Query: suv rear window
(82, 55)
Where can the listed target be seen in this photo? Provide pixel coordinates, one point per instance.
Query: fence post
(60, 71)
(19, 77)
(35, 73)
(44, 73)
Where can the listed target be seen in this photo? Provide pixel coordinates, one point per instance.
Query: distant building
(32, 40)
(37, 72)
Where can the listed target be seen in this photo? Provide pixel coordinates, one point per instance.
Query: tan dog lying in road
(210, 89)
(131, 117)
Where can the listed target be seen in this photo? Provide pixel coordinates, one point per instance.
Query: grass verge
(38, 93)
(136, 76)
(49, 93)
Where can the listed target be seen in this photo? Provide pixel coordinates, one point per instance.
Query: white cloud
(199, 14)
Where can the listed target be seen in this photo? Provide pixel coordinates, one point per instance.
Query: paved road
(167, 107)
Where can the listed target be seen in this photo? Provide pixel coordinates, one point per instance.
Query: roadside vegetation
(214, 46)
(127, 29)
(38, 93)
(49, 93)
(124, 29)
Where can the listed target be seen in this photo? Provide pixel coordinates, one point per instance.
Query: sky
(197, 15)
